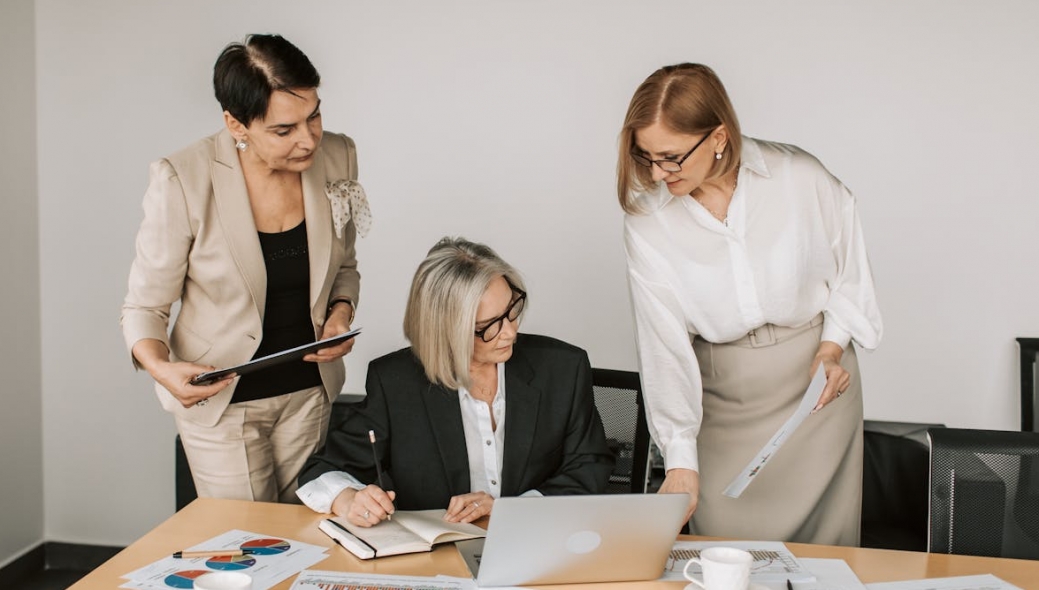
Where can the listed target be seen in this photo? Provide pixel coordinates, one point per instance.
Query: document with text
(804, 409)
(980, 582)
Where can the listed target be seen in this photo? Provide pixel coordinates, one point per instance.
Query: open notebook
(410, 531)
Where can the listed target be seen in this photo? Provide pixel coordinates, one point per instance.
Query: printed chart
(268, 560)
(324, 580)
(772, 560)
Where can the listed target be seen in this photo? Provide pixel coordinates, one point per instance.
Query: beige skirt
(811, 490)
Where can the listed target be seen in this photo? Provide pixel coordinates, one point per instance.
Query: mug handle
(686, 575)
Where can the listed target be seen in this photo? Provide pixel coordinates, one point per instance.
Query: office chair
(895, 491)
(618, 397)
(984, 493)
(185, 484)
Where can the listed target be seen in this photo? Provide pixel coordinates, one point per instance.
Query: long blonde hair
(440, 318)
(689, 99)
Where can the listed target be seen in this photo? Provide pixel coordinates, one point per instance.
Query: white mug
(224, 581)
(724, 568)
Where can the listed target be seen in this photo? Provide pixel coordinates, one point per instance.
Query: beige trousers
(811, 490)
(257, 449)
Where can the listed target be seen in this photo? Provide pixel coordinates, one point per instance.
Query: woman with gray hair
(472, 411)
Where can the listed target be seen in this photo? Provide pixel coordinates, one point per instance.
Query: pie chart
(231, 563)
(266, 546)
(184, 579)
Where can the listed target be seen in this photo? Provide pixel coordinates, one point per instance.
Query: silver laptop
(577, 539)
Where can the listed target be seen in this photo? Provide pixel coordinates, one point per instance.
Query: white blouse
(792, 248)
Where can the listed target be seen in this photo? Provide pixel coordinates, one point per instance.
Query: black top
(286, 319)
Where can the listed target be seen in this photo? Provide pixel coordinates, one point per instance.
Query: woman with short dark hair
(252, 230)
(471, 412)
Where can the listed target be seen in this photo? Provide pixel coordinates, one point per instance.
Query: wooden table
(207, 518)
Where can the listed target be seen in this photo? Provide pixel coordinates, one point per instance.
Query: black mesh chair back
(984, 496)
(618, 397)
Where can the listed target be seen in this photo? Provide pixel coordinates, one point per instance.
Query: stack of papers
(269, 560)
(982, 582)
(773, 562)
(319, 580)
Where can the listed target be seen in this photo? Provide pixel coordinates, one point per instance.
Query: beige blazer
(198, 244)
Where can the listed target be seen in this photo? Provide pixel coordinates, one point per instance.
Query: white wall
(21, 417)
(498, 120)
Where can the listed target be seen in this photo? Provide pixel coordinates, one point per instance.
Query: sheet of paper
(808, 402)
(272, 559)
(328, 580)
(830, 574)
(773, 562)
(982, 582)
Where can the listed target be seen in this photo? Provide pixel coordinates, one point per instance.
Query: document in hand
(410, 531)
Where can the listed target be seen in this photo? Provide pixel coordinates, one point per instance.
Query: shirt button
(494, 482)
(488, 443)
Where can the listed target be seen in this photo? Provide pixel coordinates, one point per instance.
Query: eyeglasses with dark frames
(513, 311)
(668, 165)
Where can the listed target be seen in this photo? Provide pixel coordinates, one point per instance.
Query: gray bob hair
(440, 318)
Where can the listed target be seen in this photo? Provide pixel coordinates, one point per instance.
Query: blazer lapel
(236, 218)
(521, 413)
(445, 418)
(319, 232)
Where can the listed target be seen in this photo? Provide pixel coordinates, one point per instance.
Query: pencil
(214, 553)
(378, 465)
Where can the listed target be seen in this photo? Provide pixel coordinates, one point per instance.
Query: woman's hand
(837, 379)
(469, 507)
(337, 322)
(365, 508)
(683, 480)
(176, 377)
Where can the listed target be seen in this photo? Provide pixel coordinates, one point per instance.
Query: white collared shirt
(485, 448)
(792, 247)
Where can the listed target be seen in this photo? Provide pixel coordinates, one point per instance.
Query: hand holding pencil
(369, 506)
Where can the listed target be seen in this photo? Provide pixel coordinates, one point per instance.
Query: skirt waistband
(770, 334)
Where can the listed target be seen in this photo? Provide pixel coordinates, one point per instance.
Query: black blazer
(554, 438)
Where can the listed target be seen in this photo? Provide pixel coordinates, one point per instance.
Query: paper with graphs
(808, 402)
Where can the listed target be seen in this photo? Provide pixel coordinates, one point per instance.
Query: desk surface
(207, 518)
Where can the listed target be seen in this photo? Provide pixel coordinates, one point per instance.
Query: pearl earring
(717, 155)
(241, 145)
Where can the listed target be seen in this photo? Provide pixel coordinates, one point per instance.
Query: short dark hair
(247, 73)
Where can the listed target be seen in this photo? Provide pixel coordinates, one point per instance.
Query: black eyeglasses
(668, 165)
(513, 311)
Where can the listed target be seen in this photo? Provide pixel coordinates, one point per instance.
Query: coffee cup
(724, 568)
(224, 581)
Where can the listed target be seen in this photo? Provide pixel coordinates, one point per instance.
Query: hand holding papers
(808, 402)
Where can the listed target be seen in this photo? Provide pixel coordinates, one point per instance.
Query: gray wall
(21, 421)
(498, 121)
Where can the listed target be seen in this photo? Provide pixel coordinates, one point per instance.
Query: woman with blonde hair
(748, 270)
(472, 411)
